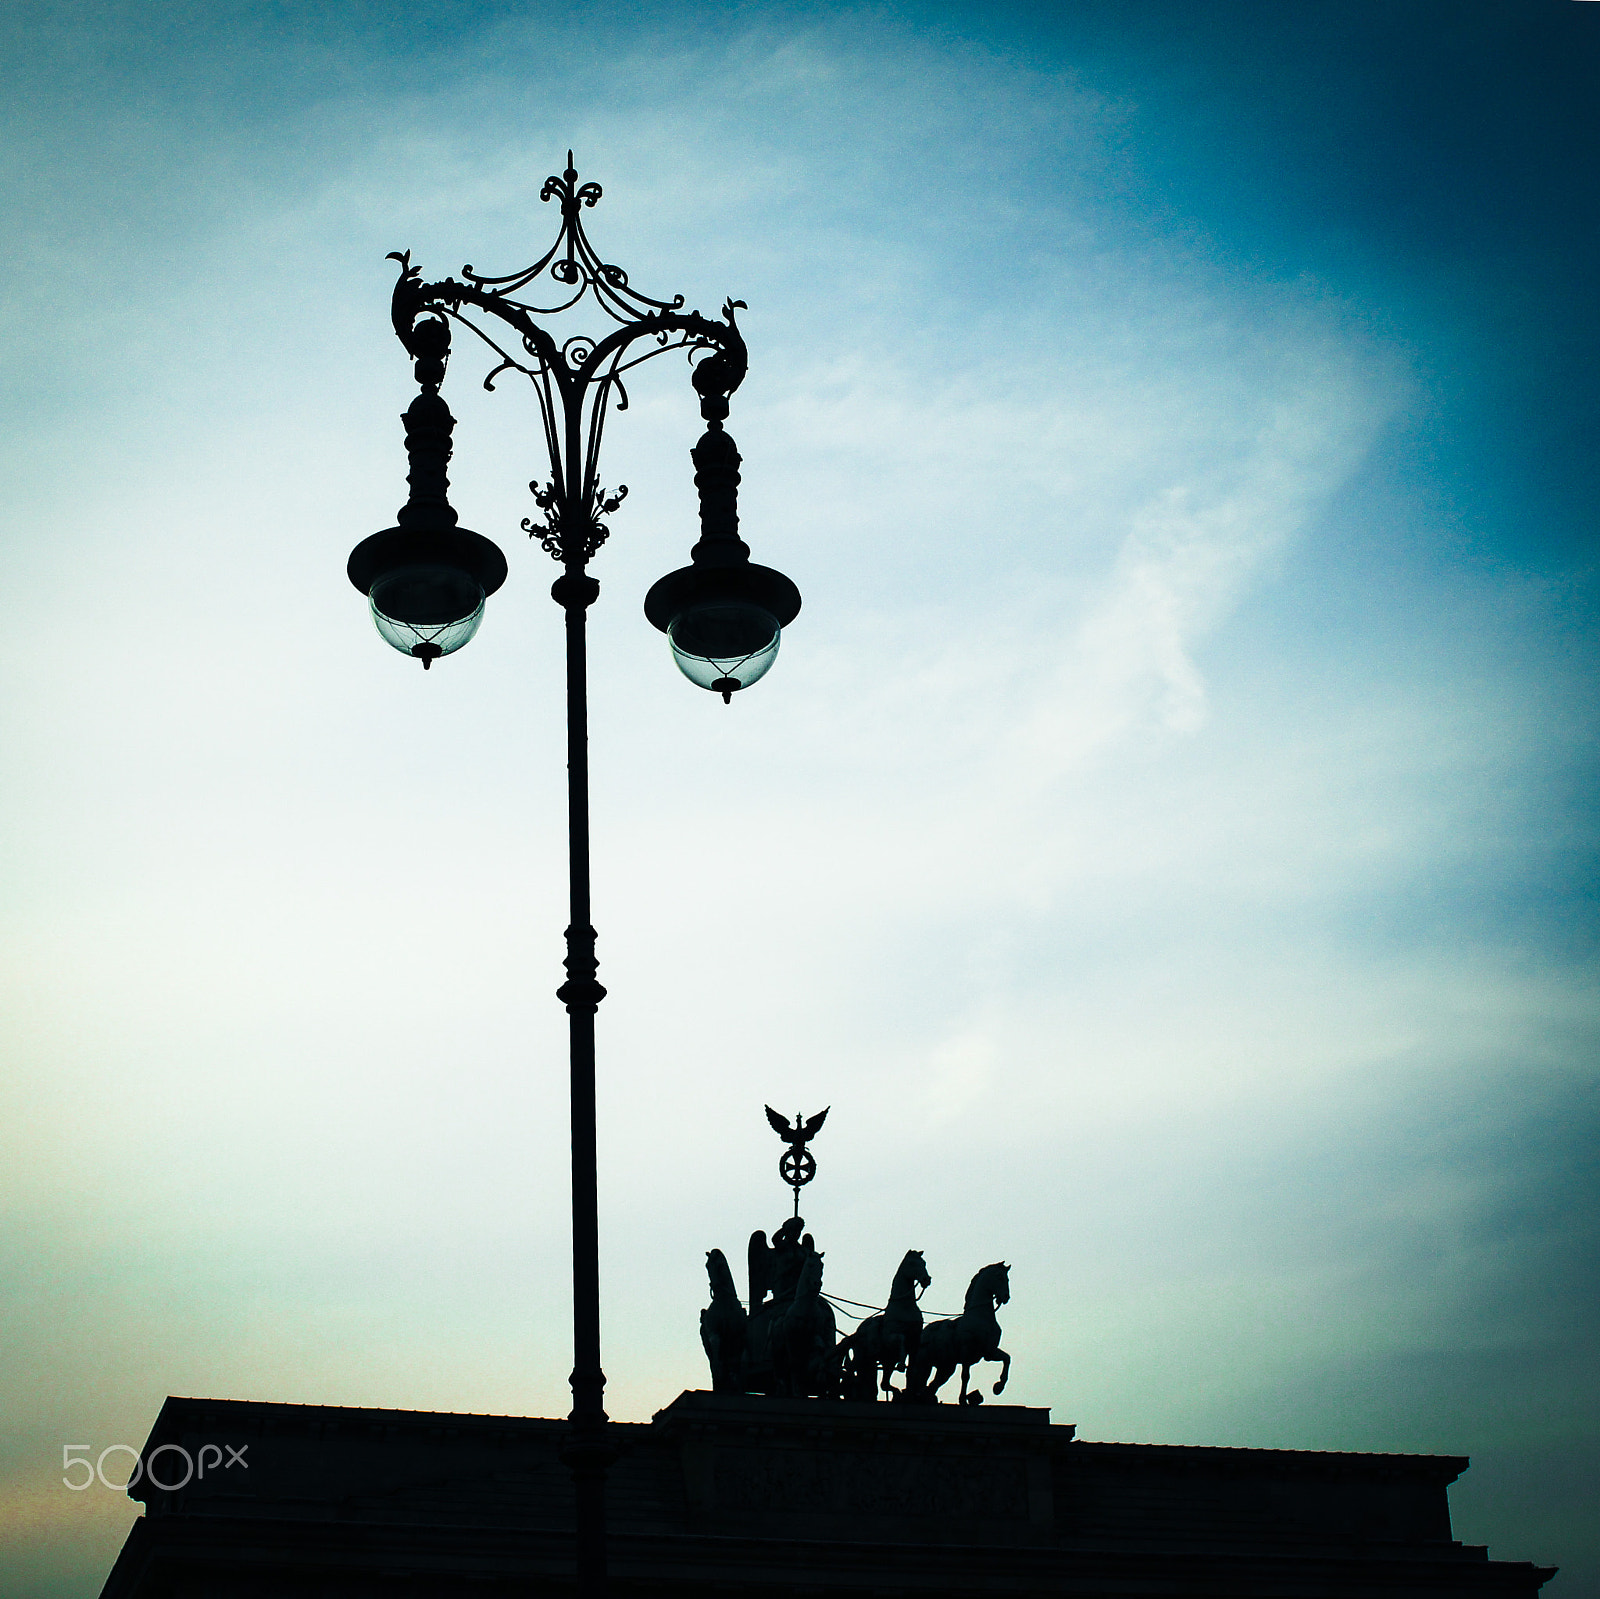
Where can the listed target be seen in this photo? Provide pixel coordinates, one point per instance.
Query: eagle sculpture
(802, 1132)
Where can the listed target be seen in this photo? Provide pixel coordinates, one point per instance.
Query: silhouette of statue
(789, 1333)
(885, 1342)
(776, 1267)
(974, 1335)
(724, 1327)
(786, 1341)
(801, 1340)
(797, 1165)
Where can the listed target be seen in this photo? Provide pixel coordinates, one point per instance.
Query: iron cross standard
(797, 1165)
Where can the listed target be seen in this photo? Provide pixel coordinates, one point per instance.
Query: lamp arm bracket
(576, 381)
(581, 361)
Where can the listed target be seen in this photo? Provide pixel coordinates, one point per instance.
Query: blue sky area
(1166, 839)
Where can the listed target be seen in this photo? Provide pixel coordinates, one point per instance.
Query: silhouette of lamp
(427, 580)
(723, 616)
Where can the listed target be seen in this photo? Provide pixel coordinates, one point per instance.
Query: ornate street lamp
(427, 580)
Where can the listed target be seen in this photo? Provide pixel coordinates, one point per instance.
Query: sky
(1165, 840)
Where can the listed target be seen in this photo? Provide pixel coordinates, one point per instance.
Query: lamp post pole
(587, 1454)
(427, 580)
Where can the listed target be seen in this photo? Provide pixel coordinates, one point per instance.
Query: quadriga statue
(787, 1341)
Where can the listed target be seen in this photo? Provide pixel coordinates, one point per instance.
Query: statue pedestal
(876, 1473)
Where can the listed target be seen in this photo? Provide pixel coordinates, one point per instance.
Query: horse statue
(974, 1335)
(885, 1343)
(724, 1327)
(801, 1338)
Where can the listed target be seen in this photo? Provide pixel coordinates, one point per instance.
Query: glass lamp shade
(723, 621)
(427, 586)
(427, 610)
(724, 645)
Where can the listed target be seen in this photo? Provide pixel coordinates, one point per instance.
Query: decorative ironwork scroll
(577, 380)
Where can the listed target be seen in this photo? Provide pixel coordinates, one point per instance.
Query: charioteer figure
(783, 1343)
(775, 1268)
